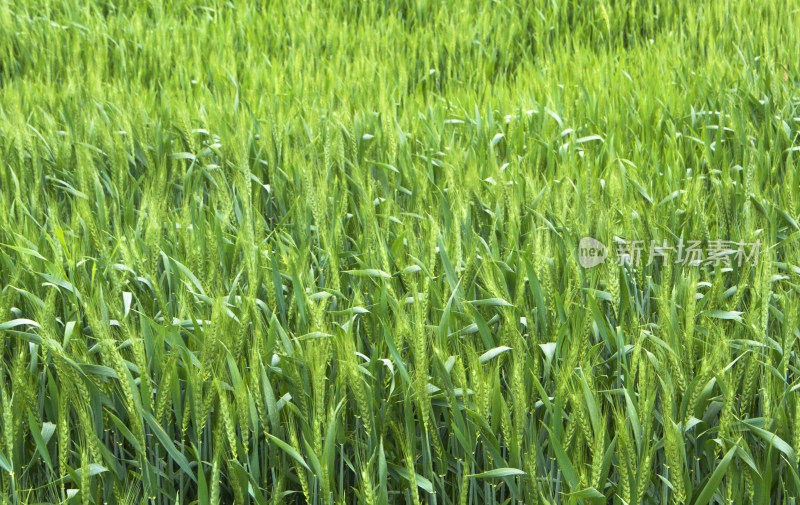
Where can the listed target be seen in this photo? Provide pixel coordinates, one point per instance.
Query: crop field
(399, 252)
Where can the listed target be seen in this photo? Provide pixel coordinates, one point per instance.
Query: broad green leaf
(498, 472)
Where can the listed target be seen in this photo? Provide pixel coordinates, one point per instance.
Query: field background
(326, 252)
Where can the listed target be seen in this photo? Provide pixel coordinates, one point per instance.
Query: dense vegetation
(327, 252)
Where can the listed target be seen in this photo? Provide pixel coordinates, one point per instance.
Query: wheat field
(399, 252)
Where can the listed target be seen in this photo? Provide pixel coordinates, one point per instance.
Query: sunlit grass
(312, 252)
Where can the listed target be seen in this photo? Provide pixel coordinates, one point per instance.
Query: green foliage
(327, 252)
